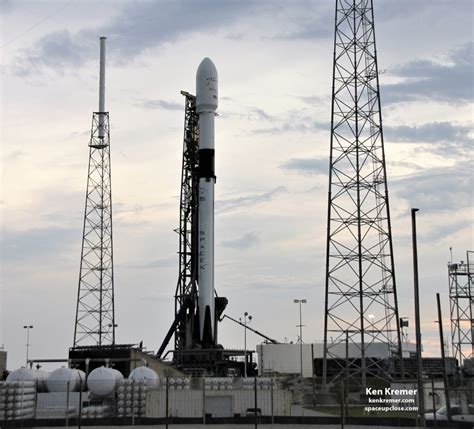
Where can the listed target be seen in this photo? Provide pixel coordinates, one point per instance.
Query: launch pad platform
(218, 362)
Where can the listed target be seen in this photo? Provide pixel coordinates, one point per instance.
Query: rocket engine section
(206, 105)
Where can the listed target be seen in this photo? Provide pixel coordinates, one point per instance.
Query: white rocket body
(206, 105)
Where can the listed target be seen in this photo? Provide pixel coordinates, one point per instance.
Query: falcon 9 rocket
(206, 105)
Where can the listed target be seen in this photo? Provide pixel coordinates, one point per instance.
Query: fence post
(67, 403)
(343, 416)
(80, 404)
(133, 402)
(271, 396)
(203, 400)
(255, 403)
(434, 402)
(167, 400)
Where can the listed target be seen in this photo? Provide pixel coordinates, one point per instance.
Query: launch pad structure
(461, 294)
(361, 306)
(198, 309)
(362, 326)
(197, 351)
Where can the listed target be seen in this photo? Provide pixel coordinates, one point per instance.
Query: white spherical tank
(24, 374)
(42, 377)
(146, 374)
(59, 378)
(103, 381)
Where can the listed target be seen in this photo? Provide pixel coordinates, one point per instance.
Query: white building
(286, 358)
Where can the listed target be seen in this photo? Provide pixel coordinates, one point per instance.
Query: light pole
(443, 358)
(300, 301)
(421, 402)
(27, 327)
(113, 326)
(404, 323)
(249, 317)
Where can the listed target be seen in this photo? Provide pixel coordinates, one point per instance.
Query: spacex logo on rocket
(206, 105)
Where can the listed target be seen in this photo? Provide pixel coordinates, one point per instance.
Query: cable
(36, 25)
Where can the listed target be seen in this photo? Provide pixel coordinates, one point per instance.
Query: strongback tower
(461, 294)
(361, 301)
(95, 318)
(185, 296)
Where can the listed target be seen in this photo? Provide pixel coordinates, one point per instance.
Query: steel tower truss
(186, 291)
(461, 293)
(95, 318)
(361, 301)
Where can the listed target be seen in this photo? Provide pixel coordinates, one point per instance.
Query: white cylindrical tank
(103, 381)
(58, 379)
(145, 374)
(38, 376)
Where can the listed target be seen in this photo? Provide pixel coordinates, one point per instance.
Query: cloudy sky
(272, 148)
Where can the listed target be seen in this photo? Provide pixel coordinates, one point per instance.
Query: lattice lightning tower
(95, 317)
(361, 301)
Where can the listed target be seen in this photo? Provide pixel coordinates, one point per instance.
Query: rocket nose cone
(207, 67)
(206, 86)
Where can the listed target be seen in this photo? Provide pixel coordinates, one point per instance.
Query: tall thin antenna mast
(102, 88)
(95, 315)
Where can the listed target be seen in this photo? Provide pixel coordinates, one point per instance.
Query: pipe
(102, 88)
